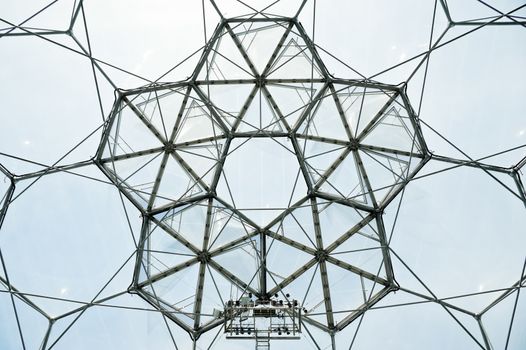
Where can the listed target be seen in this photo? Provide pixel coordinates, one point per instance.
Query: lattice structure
(222, 177)
(265, 196)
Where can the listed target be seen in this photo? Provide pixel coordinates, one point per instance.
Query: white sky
(461, 231)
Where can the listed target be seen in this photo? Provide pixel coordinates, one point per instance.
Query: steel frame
(204, 258)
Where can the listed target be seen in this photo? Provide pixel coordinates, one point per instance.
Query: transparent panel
(74, 244)
(262, 174)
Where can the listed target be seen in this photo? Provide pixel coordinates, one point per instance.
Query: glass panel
(269, 164)
(186, 168)
(72, 246)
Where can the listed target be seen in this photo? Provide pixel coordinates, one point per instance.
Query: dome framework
(263, 174)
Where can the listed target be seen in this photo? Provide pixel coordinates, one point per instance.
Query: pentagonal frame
(203, 257)
(354, 144)
(126, 98)
(166, 146)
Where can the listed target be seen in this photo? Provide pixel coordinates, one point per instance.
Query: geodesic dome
(263, 191)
